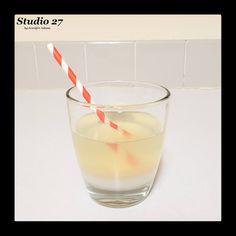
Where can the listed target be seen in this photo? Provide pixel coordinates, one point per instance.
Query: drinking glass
(119, 170)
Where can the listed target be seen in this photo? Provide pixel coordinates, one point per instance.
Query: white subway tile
(51, 74)
(203, 64)
(25, 71)
(161, 62)
(110, 61)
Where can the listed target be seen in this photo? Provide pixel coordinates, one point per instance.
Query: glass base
(118, 199)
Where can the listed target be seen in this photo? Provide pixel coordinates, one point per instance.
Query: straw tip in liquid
(126, 133)
(50, 47)
(131, 160)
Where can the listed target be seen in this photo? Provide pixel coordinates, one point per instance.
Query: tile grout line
(185, 63)
(36, 65)
(85, 62)
(135, 55)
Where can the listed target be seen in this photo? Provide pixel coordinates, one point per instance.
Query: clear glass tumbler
(119, 170)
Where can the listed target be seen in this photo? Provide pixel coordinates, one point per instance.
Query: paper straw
(82, 89)
(86, 95)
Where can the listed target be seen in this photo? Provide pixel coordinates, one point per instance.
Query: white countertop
(49, 185)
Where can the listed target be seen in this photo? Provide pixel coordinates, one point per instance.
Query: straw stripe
(69, 72)
(106, 120)
(86, 95)
(64, 65)
(79, 86)
(130, 158)
(71, 75)
(113, 125)
(57, 55)
(100, 115)
(50, 48)
(113, 146)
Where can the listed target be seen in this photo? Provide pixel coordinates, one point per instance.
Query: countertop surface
(49, 185)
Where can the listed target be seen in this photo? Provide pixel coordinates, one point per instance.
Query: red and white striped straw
(84, 92)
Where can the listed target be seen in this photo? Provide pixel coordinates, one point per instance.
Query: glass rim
(121, 106)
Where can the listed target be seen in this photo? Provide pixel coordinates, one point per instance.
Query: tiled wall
(173, 63)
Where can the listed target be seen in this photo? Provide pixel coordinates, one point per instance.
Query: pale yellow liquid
(112, 161)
